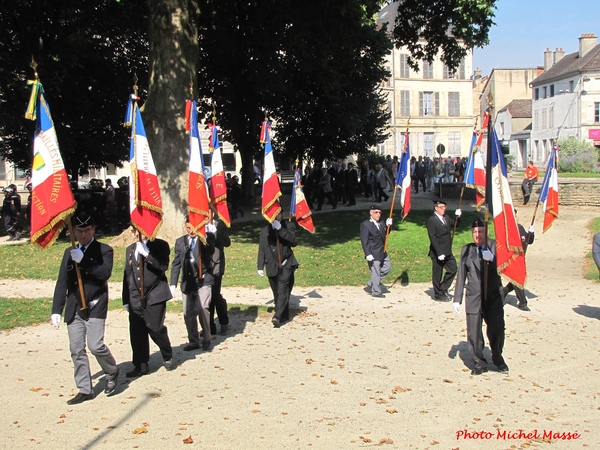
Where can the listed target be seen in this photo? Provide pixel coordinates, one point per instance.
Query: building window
(544, 114)
(454, 104)
(428, 144)
(429, 103)
(597, 112)
(389, 111)
(571, 85)
(501, 128)
(537, 94)
(551, 117)
(381, 148)
(2, 169)
(405, 103)
(388, 80)
(536, 120)
(551, 90)
(545, 92)
(404, 69)
(458, 73)
(454, 143)
(427, 70)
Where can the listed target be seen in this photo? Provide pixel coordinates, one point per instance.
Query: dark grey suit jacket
(440, 235)
(182, 262)
(596, 249)
(373, 239)
(471, 276)
(267, 248)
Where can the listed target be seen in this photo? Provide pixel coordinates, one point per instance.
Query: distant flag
(510, 256)
(270, 190)
(52, 200)
(299, 207)
(475, 170)
(549, 191)
(198, 200)
(145, 203)
(403, 177)
(218, 185)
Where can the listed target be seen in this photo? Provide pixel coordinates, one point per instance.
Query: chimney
(558, 55)
(477, 73)
(548, 59)
(586, 42)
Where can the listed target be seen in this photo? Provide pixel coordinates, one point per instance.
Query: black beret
(439, 202)
(477, 223)
(83, 219)
(376, 207)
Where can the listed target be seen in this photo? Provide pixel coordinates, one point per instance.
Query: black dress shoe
(80, 398)
(523, 307)
(191, 347)
(478, 371)
(275, 322)
(111, 382)
(503, 368)
(378, 295)
(441, 298)
(224, 328)
(205, 345)
(138, 371)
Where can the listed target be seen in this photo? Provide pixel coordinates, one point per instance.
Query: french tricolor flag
(145, 203)
(403, 177)
(549, 191)
(218, 185)
(270, 189)
(475, 171)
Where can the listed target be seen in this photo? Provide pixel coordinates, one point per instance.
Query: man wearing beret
(372, 238)
(439, 229)
(483, 298)
(95, 261)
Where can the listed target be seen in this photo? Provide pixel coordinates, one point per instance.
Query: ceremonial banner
(299, 207)
(549, 191)
(218, 185)
(145, 203)
(198, 201)
(52, 201)
(270, 189)
(475, 171)
(403, 177)
(510, 257)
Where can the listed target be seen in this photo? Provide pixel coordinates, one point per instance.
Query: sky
(525, 28)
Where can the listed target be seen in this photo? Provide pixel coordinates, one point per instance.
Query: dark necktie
(480, 252)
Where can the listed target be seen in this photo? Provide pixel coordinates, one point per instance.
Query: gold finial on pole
(135, 86)
(34, 66)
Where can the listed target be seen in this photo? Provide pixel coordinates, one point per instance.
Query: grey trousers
(197, 305)
(379, 270)
(93, 329)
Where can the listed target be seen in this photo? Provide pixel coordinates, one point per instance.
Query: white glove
(172, 287)
(441, 257)
(261, 272)
(487, 255)
(76, 255)
(458, 213)
(370, 258)
(141, 249)
(55, 319)
(211, 228)
(126, 307)
(531, 229)
(276, 224)
(388, 222)
(456, 307)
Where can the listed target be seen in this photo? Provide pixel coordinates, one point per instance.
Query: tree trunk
(173, 37)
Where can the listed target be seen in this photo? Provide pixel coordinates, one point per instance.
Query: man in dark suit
(95, 261)
(145, 295)
(526, 239)
(439, 229)
(596, 251)
(351, 183)
(217, 264)
(483, 301)
(193, 257)
(372, 238)
(275, 253)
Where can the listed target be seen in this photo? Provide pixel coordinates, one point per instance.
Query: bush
(577, 156)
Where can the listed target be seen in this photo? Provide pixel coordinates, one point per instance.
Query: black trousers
(144, 323)
(219, 304)
(437, 267)
(518, 292)
(281, 286)
(494, 321)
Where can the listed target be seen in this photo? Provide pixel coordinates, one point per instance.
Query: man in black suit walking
(275, 252)
(439, 229)
(483, 301)
(95, 261)
(372, 238)
(145, 295)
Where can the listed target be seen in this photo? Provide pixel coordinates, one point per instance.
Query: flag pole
(488, 193)
(462, 190)
(387, 231)
(544, 186)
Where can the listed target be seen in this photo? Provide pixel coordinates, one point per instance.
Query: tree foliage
(446, 27)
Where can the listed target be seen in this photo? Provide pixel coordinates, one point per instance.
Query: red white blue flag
(475, 170)
(403, 177)
(52, 201)
(270, 190)
(299, 207)
(549, 191)
(218, 185)
(145, 203)
(510, 257)
(198, 200)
